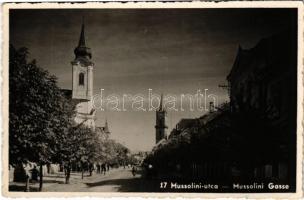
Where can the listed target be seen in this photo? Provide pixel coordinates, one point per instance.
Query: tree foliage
(41, 125)
(114, 153)
(37, 111)
(78, 144)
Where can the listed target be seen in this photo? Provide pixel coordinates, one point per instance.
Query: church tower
(106, 128)
(82, 85)
(161, 119)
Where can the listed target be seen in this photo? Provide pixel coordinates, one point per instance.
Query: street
(116, 180)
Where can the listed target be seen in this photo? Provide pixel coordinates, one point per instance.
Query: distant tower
(106, 128)
(82, 89)
(161, 118)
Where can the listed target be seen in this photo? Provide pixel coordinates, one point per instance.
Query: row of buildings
(251, 138)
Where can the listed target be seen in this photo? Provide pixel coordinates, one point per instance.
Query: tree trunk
(48, 168)
(41, 178)
(82, 170)
(90, 169)
(68, 173)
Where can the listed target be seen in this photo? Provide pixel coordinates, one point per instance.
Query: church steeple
(161, 103)
(82, 51)
(82, 82)
(106, 128)
(161, 118)
(81, 42)
(82, 70)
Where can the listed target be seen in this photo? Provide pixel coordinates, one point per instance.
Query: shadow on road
(53, 181)
(19, 188)
(129, 185)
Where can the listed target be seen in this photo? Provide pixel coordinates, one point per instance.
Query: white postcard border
(151, 5)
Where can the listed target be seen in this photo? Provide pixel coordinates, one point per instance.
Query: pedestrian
(98, 168)
(35, 173)
(103, 168)
(91, 168)
(27, 176)
(134, 170)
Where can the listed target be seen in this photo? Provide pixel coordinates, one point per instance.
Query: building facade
(263, 89)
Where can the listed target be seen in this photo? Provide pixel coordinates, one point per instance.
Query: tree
(41, 125)
(115, 152)
(79, 144)
(36, 114)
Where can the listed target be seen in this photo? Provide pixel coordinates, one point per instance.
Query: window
(81, 79)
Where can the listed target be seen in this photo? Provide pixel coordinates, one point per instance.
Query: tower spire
(161, 102)
(82, 37)
(82, 50)
(106, 128)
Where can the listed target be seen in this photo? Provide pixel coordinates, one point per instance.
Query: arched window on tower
(81, 79)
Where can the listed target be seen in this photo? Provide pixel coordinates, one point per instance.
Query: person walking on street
(134, 170)
(35, 174)
(103, 168)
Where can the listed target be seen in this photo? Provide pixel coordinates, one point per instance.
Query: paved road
(117, 180)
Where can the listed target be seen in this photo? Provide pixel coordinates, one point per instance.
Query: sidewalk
(56, 182)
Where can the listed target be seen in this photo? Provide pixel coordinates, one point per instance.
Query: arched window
(81, 79)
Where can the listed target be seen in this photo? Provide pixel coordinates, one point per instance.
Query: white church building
(82, 83)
